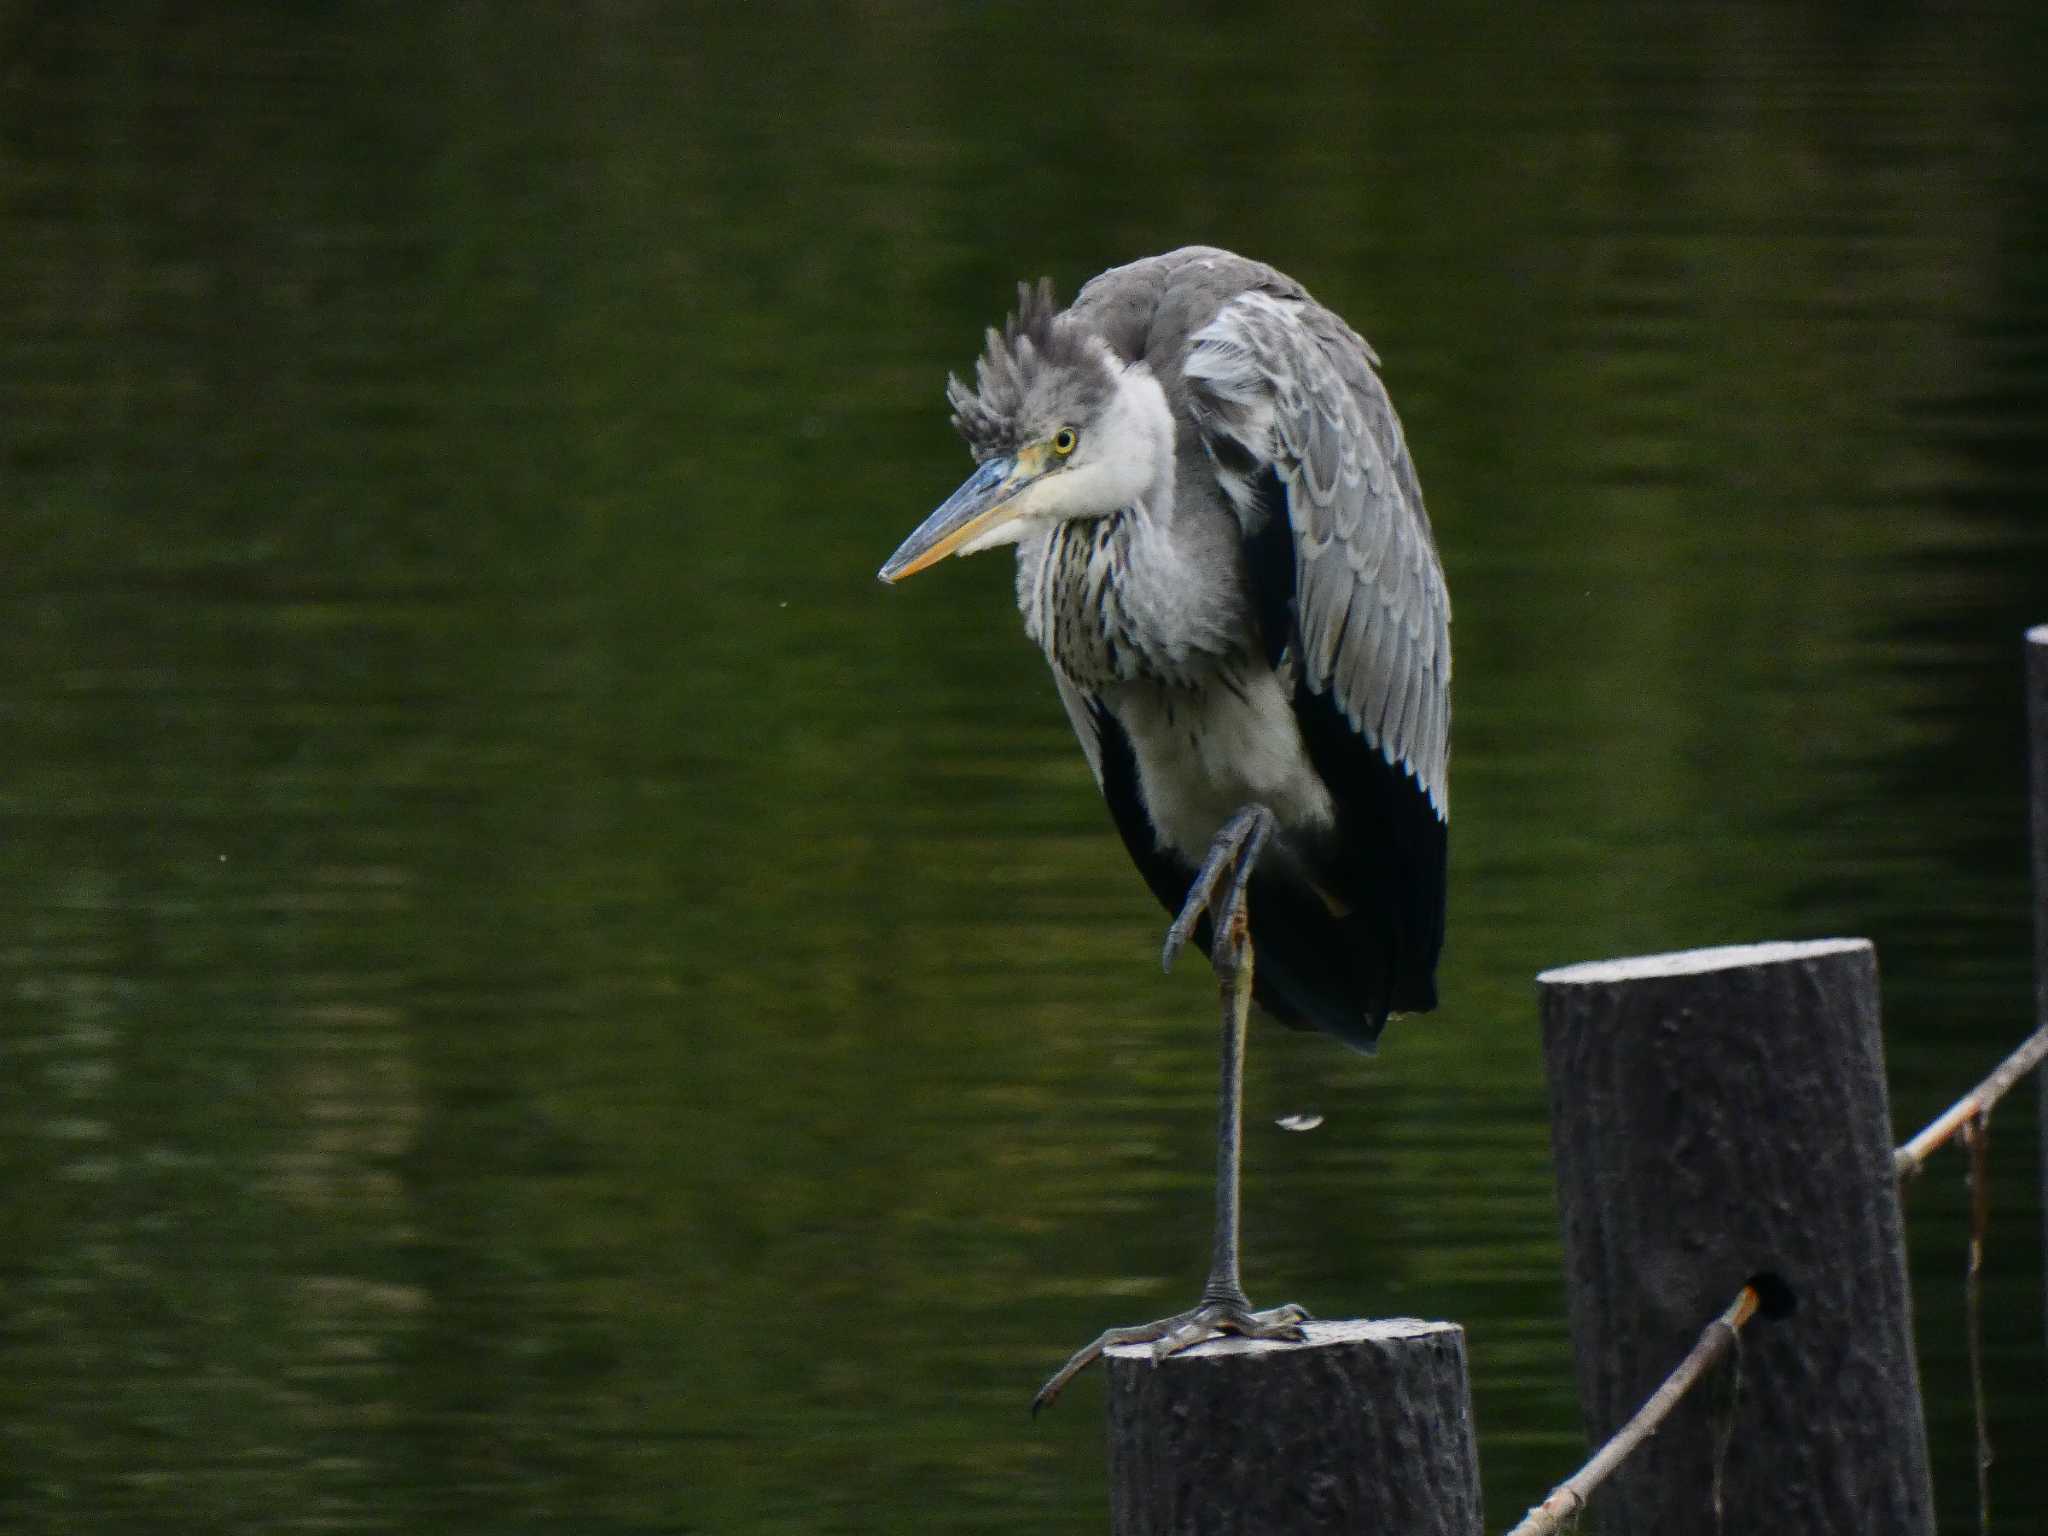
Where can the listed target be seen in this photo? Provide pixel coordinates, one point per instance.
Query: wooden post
(1366, 1427)
(2037, 735)
(1718, 1115)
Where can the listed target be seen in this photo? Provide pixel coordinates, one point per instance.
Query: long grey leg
(1219, 890)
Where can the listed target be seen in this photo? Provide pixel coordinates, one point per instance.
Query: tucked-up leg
(1219, 891)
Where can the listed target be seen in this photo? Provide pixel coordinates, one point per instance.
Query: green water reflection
(537, 997)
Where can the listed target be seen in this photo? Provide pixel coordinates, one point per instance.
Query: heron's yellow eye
(1065, 441)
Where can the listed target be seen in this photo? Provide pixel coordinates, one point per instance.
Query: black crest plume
(1031, 338)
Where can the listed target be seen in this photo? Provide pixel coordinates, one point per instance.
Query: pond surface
(535, 996)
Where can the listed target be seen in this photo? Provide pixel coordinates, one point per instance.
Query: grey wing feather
(1294, 387)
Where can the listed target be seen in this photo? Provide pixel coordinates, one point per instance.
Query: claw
(1170, 1335)
(1218, 888)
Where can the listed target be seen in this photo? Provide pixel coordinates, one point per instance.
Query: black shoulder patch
(1269, 560)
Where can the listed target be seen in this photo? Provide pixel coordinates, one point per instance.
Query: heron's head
(1062, 430)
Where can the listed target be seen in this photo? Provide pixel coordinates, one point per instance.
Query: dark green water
(534, 996)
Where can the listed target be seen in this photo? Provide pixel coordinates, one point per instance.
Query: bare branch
(1976, 1104)
(1568, 1498)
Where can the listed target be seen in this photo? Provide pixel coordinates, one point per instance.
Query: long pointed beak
(981, 504)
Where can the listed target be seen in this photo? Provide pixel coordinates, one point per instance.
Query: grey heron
(1223, 553)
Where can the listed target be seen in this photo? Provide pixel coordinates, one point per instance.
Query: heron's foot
(1171, 1335)
(1219, 886)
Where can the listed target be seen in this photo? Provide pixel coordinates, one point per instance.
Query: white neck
(1139, 426)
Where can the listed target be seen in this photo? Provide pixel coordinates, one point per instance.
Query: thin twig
(1976, 1139)
(1976, 1104)
(1568, 1498)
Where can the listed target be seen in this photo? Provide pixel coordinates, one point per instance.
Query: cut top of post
(2038, 635)
(1694, 962)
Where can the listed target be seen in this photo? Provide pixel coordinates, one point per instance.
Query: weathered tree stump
(1717, 1115)
(1364, 1428)
(2037, 736)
